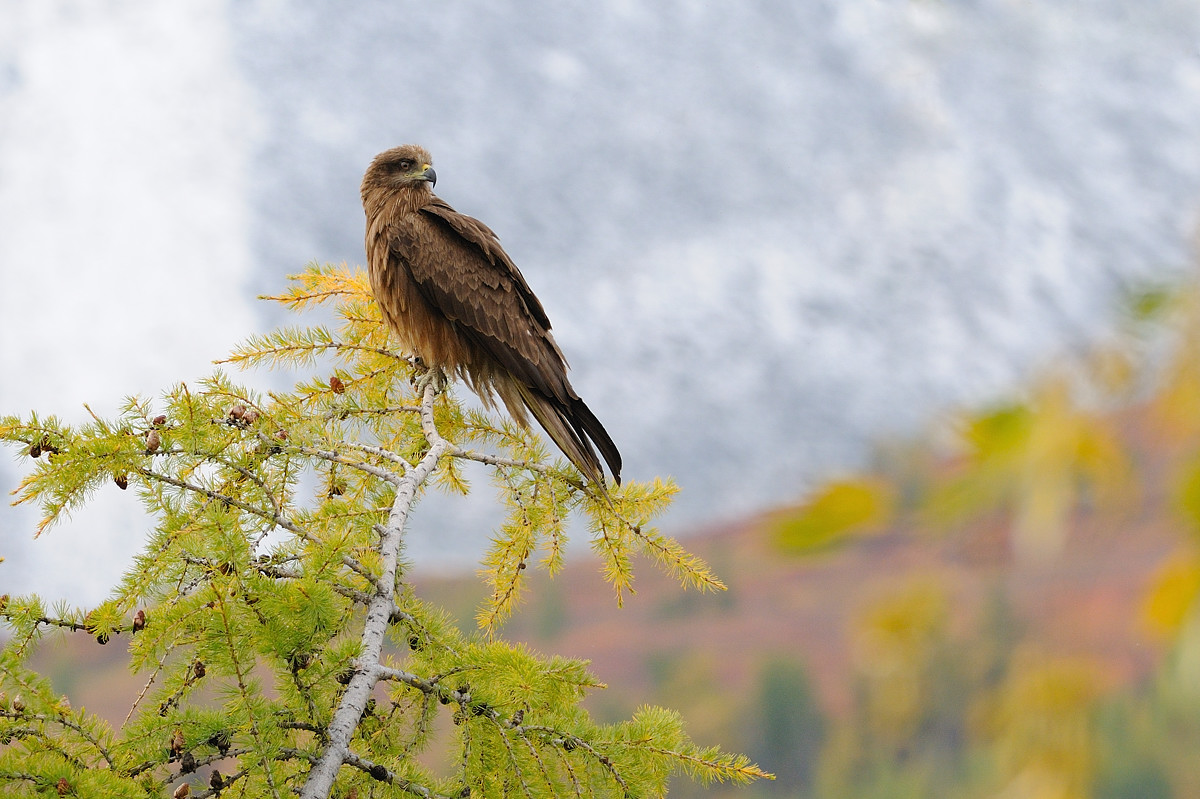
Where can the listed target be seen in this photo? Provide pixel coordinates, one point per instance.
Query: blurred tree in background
(789, 727)
(977, 709)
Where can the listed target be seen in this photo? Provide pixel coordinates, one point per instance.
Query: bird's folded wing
(460, 269)
(473, 231)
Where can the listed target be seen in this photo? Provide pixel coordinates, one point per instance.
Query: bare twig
(333, 457)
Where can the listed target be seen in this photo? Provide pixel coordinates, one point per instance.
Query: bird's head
(405, 167)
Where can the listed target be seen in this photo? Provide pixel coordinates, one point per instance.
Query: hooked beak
(429, 175)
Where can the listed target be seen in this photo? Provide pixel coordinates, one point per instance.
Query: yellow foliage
(896, 640)
(1040, 724)
(1173, 592)
(840, 510)
(1187, 494)
(1034, 460)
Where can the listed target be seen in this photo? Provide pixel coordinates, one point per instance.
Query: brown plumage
(454, 298)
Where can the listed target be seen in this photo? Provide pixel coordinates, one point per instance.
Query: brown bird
(455, 299)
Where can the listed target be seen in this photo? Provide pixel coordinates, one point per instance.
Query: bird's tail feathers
(585, 422)
(570, 428)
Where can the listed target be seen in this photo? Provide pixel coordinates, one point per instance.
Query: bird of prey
(454, 298)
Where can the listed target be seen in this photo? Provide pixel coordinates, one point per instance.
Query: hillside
(1084, 603)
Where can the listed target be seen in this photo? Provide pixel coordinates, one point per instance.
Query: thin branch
(561, 739)
(353, 594)
(532, 466)
(537, 758)
(350, 562)
(335, 345)
(386, 454)
(213, 495)
(512, 758)
(240, 673)
(384, 774)
(333, 457)
(297, 299)
(421, 684)
(343, 413)
(48, 621)
(421, 727)
(162, 661)
(226, 783)
(249, 475)
(65, 721)
(496, 460)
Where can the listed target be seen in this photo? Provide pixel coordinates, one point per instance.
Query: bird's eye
(405, 165)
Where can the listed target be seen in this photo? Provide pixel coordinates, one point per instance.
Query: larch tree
(271, 612)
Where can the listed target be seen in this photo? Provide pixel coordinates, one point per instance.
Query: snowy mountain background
(766, 233)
